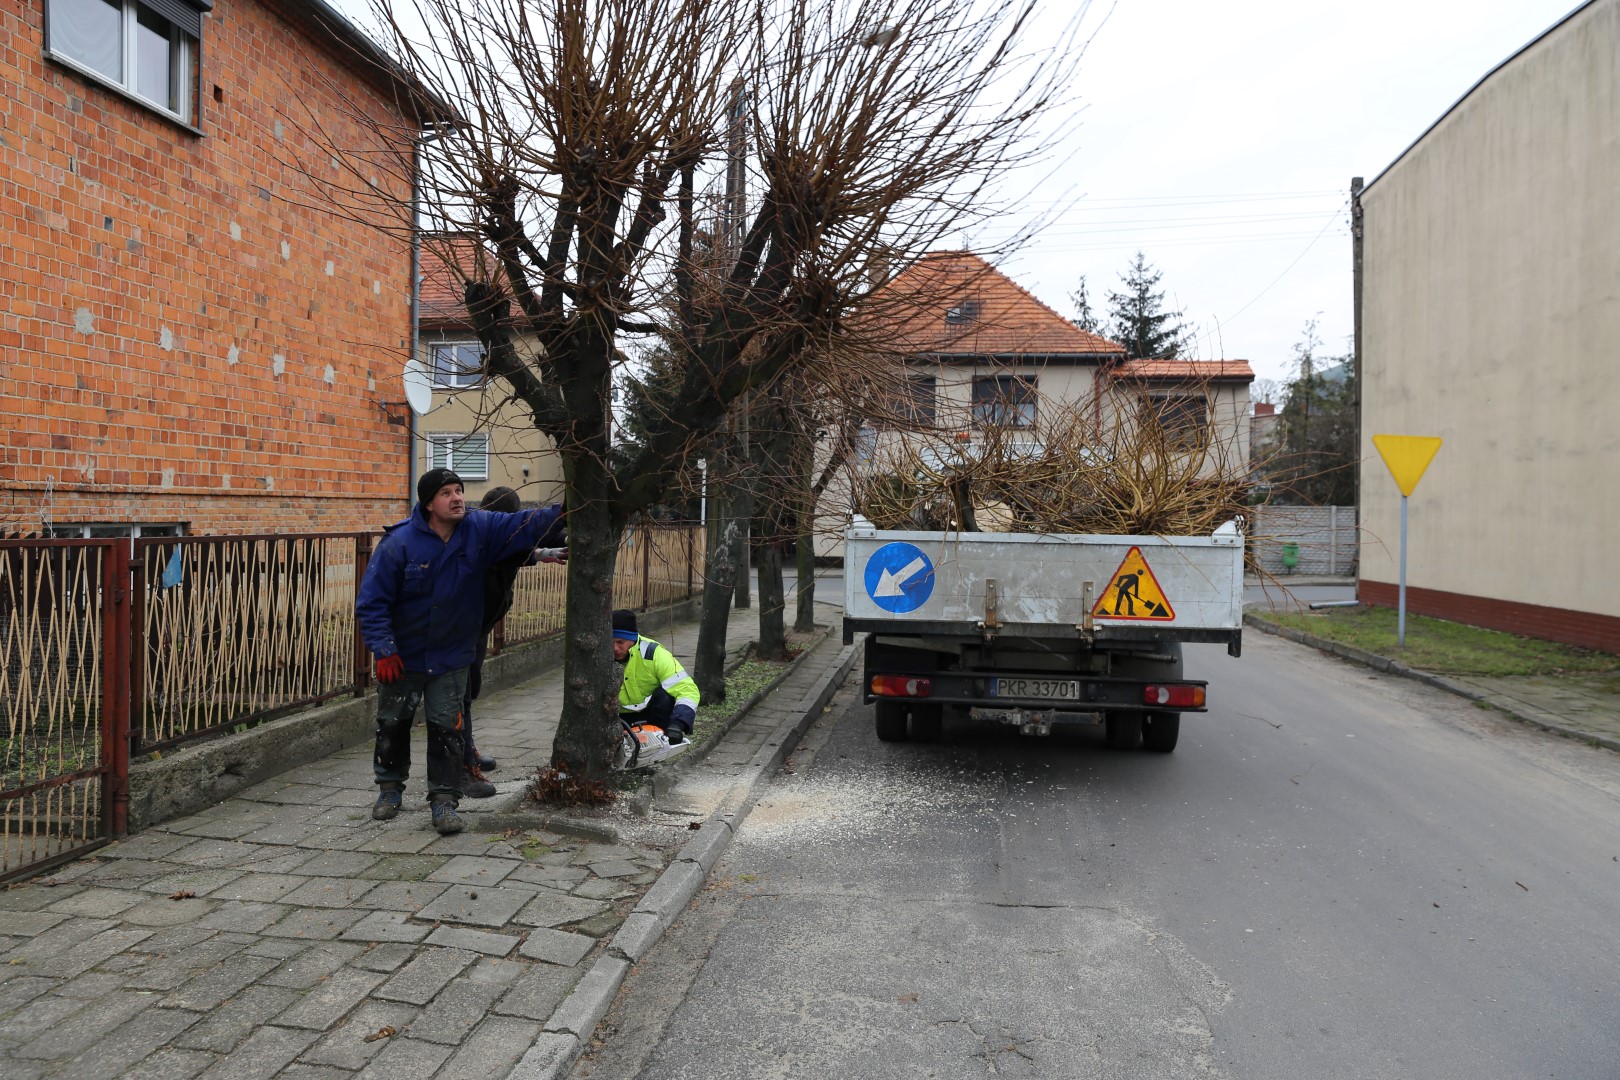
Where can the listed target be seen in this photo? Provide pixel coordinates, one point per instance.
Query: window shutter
(184, 15)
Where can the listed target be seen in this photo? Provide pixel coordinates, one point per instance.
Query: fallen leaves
(183, 894)
(384, 1032)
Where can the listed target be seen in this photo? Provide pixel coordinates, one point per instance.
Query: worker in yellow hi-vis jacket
(656, 691)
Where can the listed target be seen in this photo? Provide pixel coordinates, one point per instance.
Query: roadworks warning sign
(1134, 593)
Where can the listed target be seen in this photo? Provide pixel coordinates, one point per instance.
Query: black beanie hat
(502, 499)
(432, 481)
(624, 624)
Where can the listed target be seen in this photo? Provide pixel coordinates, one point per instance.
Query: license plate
(1039, 689)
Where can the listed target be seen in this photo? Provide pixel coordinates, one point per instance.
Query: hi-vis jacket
(649, 667)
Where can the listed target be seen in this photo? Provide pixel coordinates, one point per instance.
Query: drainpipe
(416, 305)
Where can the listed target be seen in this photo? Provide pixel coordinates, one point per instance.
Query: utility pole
(1356, 231)
(735, 213)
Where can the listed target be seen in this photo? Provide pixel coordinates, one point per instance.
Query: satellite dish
(418, 387)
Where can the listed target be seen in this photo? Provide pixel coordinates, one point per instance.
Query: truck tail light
(901, 686)
(1177, 696)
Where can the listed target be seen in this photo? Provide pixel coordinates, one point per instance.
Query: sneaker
(483, 762)
(445, 818)
(475, 786)
(387, 804)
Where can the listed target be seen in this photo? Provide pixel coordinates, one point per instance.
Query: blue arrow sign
(899, 578)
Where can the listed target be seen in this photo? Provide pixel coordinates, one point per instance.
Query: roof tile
(954, 303)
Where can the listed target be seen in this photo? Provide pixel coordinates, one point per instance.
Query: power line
(1289, 267)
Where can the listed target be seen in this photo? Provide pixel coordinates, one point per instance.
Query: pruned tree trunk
(772, 436)
(804, 555)
(772, 602)
(804, 542)
(709, 664)
(591, 699)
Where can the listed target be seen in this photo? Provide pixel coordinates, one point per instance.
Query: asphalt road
(1335, 875)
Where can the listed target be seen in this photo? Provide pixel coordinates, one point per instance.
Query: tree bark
(776, 467)
(804, 616)
(772, 601)
(804, 544)
(720, 574)
(590, 721)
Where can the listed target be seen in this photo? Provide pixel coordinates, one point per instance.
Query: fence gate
(64, 705)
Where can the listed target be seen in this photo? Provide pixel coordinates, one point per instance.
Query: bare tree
(581, 127)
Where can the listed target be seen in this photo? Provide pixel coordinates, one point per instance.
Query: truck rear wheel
(1124, 730)
(1160, 731)
(891, 720)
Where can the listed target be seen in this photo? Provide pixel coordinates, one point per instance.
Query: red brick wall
(1583, 628)
(150, 279)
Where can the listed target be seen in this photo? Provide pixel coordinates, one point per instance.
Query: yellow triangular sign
(1407, 456)
(1133, 593)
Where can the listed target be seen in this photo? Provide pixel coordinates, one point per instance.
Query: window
(913, 405)
(146, 48)
(458, 364)
(1184, 418)
(102, 530)
(1004, 401)
(964, 312)
(466, 455)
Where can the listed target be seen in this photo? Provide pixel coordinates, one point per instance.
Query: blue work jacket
(423, 597)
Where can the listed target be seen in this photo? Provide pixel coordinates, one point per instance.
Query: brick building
(190, 338)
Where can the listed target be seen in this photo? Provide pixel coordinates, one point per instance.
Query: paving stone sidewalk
(284, 933)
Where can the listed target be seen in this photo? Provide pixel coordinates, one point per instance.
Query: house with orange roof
(974, 350)
(473, 426)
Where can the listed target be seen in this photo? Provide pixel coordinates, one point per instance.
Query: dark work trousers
(658, 710)
(397, 702)
(475, 683)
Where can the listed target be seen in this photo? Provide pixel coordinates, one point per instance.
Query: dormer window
(964, 312)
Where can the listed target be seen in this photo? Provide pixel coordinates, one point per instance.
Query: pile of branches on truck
(1158, 471)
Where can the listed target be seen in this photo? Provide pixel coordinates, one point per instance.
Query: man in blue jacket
(420, 610)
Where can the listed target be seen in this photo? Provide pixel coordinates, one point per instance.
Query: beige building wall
(520, 456)
(1491, 318)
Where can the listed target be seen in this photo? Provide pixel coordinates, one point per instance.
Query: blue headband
(626, 635)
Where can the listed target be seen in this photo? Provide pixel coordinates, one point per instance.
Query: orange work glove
(390, 668)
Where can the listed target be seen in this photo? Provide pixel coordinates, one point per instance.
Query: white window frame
(456, 377)
(184, 61)
(101, 529)
(466, 453)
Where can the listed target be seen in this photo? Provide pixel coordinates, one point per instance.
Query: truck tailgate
(1178, 588)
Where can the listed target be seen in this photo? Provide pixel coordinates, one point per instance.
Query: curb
(563, 1037)
(1439, 682)
(663, 780)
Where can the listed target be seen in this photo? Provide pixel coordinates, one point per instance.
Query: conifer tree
(1139, 320)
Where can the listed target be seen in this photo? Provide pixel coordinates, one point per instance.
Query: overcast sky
(1220, 139)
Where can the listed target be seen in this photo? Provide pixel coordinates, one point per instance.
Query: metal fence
(237, 628)
(657, 565)
(1324, 539)
(63, 702)
(113, 647)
